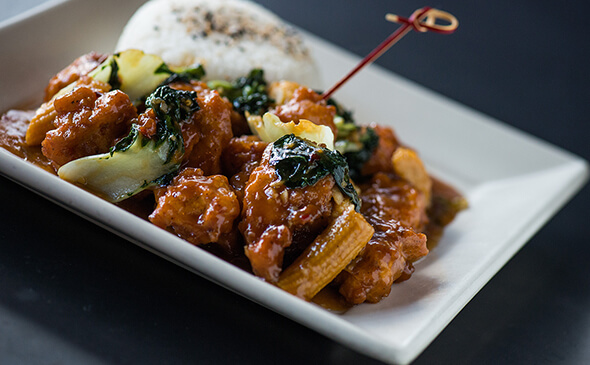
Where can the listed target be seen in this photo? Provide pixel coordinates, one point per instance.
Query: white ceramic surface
(514, 182)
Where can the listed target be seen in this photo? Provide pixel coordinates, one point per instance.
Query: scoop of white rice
(228, 37)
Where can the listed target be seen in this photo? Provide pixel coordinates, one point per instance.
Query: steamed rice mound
(228, 37)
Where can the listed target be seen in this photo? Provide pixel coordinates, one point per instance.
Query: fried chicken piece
(80, 67)
(44, 119)
(275, 217)
(397, 212)
(380, 160)
(209, 130)
(241, 156)
(200, 209)
(88, 122)
(239, 124)
(307, 104)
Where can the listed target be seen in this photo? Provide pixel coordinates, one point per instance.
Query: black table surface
(71, 292)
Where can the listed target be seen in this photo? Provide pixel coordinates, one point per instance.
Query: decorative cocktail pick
(422, 20)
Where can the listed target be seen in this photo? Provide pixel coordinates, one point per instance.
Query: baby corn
(346, 235)
(410, 167)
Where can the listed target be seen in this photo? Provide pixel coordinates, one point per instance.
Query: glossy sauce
(253, 220)
(13, 128)
(329, 298)
(275, 217)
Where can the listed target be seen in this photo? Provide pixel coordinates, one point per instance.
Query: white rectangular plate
(514, 183)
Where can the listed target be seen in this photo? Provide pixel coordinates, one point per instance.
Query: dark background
(71, 292)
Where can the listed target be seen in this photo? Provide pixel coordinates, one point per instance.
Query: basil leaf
(299, 163)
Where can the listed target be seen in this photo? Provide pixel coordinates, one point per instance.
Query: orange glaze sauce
(13, 128)
(329, 298)
(446, 201)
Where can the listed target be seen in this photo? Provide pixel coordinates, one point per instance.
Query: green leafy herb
(186, 75)
(365, 140)
(173, 105)
(247, 94)
(300, 163)
(355, 143)
(171, 108)
(114, 76)
(346, 115)
(137, 162)
(124, 143)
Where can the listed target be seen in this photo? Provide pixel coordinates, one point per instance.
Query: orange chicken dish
(266, 175)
